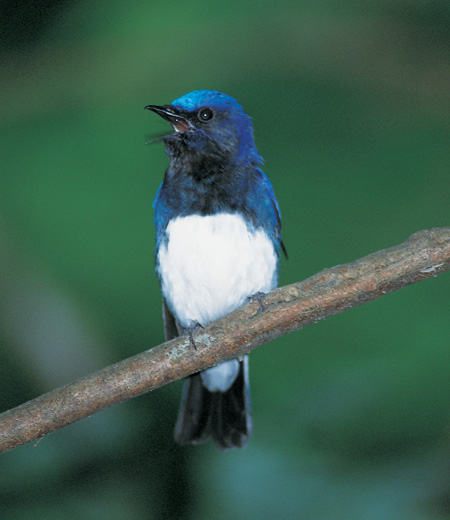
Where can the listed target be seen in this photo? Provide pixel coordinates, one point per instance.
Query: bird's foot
(259, 297)
(190, 332)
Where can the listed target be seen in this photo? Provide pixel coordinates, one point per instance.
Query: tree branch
(423, 255)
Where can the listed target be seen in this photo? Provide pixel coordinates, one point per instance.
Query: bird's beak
(171, 114)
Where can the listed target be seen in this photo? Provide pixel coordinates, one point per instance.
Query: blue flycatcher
(218, 243)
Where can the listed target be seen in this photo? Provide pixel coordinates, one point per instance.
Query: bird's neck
(200, 167)
(206, 186)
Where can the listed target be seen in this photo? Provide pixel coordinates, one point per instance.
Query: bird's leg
(260, 297)
(190, 332)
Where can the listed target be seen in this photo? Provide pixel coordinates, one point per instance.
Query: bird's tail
(225, 416)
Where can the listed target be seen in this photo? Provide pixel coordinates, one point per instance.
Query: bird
(218, 243)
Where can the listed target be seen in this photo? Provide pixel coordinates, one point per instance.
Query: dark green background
(351, 107)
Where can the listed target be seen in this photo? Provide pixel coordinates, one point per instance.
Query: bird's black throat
(205, 184)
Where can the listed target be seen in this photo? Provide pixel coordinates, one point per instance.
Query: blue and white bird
(218, 241)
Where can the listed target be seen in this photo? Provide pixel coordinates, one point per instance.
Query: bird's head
(208, 123)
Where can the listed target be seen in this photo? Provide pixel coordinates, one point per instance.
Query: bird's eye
(205, 114)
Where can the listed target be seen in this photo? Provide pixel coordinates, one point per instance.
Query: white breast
(210, 265)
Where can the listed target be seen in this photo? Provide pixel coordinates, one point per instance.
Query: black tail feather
(225, 416)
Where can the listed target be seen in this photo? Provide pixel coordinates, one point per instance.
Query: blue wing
(264, 205)
(163, 212)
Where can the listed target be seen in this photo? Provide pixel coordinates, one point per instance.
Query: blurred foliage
(351, 106)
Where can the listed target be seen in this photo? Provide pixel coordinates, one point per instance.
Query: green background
(351, 107)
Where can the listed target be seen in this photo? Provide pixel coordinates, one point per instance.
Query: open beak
(171, 114)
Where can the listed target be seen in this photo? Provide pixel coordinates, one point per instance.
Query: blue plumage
(218, 242)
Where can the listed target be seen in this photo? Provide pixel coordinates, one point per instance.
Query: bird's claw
(190, 332)
(260, 297)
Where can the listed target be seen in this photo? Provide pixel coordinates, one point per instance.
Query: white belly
(210, 265)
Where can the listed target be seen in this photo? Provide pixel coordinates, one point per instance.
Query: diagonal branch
(425, 254)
